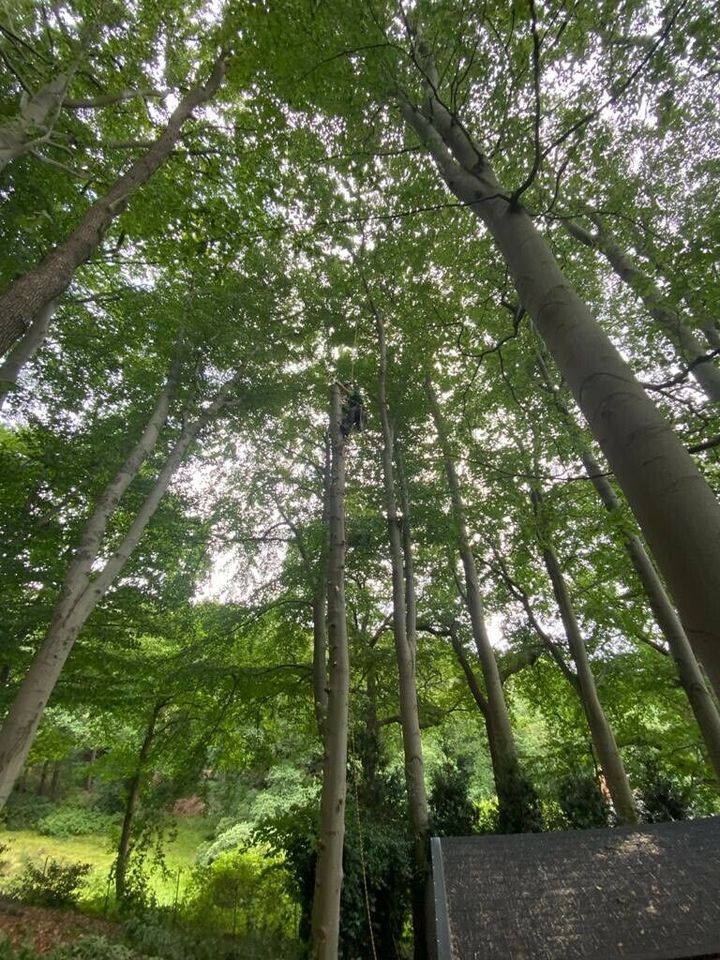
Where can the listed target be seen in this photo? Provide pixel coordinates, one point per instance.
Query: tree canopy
(483, 592)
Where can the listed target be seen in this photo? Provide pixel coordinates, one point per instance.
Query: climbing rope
(362, 851)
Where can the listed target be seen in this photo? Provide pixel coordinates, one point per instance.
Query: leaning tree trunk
(24, 349)
(675, 507)
(329, 869)
(688, 346)
(689, 673)
(405, 656)
(132, 796)
(81, 594)
(603, 738)
(503, 751)
(29, 294)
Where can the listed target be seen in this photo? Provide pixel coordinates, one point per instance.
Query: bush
(75, 822)
(662, 798)
(23, 811)
(453, 813)
(581, 802)
(55, 884)
(384, 864)
(234, 838)
(241, 891)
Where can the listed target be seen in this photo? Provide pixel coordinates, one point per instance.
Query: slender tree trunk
(683, 338)
(320, 640)
(132, 795)
(28, 295)
(24, 349)
(410, 596)
(89, 781)
(405, 655)
(675, 507)
(55, 780)
(603, 738)
(329, 870)
(689, 673)
(503, 750)
(466, 667)
(80, 596)
(42, 785)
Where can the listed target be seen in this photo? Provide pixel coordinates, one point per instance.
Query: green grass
(96, 850)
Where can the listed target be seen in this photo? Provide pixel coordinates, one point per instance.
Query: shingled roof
(649, 893)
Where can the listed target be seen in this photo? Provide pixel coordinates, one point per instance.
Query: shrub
(75, 822)
(581, 802)
(241, 891)
(453, 813)
(234, 838)
(662, 797)
(23, 811)
(55, 884)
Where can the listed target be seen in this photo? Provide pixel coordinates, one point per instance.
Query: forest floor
(179, 852)
(45, 927)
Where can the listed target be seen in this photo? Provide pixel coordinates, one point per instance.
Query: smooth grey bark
(132, 796)
(28, 295)
(325, 930)
(503, 751)
(82, 591)
(24, 350)
(606, 748)
(409, 563)
(405, 656)
(320, 637)
(676, 509)
(689, 673)
(670, 321)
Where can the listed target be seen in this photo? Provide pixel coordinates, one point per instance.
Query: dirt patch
(44, 927)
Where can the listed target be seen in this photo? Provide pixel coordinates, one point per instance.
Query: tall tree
(675, 507)
(402, 590)
(83, 588)
(517, 806)
(602, 733)
(329, 869)
(31, 293)
(691, 676)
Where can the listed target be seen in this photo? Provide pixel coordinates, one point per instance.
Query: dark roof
(646, 893)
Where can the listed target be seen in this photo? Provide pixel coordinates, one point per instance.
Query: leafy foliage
(53, 884)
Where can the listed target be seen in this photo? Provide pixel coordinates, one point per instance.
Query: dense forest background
(359, 449)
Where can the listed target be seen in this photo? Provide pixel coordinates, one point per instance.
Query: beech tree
(329, 871)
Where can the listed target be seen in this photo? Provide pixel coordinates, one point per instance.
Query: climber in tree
(354, 414)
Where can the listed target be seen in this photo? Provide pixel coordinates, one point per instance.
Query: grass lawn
(97, 850)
